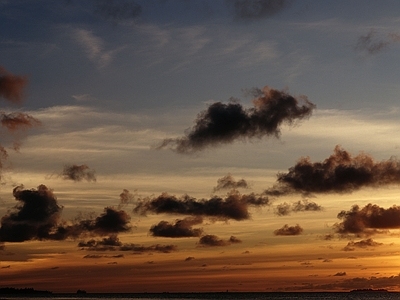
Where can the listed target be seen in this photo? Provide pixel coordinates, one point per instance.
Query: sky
(199, 145)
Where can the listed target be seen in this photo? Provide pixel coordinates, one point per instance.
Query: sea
(222, 295)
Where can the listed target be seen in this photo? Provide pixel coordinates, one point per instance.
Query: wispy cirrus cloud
(94, 47)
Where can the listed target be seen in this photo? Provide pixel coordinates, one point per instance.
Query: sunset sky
(199, 145)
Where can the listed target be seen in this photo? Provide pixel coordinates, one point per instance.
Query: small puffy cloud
(78, 173)
(189, 258)
(285, 209)
(289, 230)
(363, 244)
(210, 240)
(181, 228)
(340, 274)
(228, 182)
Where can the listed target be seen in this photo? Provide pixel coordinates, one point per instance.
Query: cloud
(223, 123)
(94, 47)
(38, 217)
(125, 198)
(247, 10)
(78, 173)
(339, 173)
(371, 44)
(189, 258)
(285, 209)
(117, 10)
(371, 219)
(111, 221)
(340, 274)
(234, 206)
(101, 256)
(210, 240)
(289, 230)
(18, 120)
(112, 243)
(12, 86)
(181, 228)
(361, 244)
(228, 182)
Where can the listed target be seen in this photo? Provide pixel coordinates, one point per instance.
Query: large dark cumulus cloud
(247, 10)
(181, 228)
(34, 217)
(37, 216)
(233, 206)
(224, 123)
(370, 219)
(339, 173)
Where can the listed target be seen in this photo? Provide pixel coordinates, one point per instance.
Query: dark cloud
(78, 173)
(107, 243)
(234, 206)
(210, 240)
(18, 120)
(285, 209)
(228, 182)
(181, 228)
(224, 123)
(189, 258)
(12, 86)
(368, 243)
(340, 274)
(113, 243)
(34, 217)
(37, 217)
(369, 220)
(111, 221)
(117, 10)
(289, 230)
(339, 173)
(105, 256)
(247, 10)
(234, 240)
